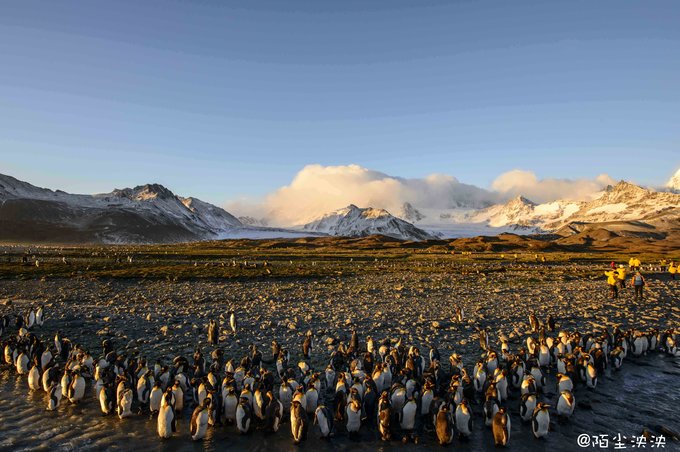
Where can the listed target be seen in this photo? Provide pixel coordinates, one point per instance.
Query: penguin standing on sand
(491, 407)
(407, 420)
(107, 400)
(591, 376)
(459, 314)
(76, 389)
(551, 323)
(533, 322)
(307, 345)
(229, 404)
(353, 416)
(354, 341)
(464, 420)
(566, 404)
(540, 420)
(40, 316)
(34, 376)
(53, 397)
(232, 321)
(384, 417)
(213, 332)
(51, 375)
(501, 428)
(178, 395)
(22, 363)
(125, 403)
(155, 398)
(324, 418)
(444, 425)
(298, 422)
(527, 406)
(199, 420)
(244, 416)
(144, 385)
(166, 415)
(273, 413)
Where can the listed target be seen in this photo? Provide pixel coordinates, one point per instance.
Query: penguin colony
(386, 386)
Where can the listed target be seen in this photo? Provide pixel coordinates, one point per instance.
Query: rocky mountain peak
(145, 192)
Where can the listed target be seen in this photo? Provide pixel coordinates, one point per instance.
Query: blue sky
(221, 99)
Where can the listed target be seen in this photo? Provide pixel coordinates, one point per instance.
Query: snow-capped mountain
(144, 214)
(627, 202)
(353, 221)
(623, 202)
(521, 213)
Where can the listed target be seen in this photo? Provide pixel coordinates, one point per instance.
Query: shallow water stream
(643, 395)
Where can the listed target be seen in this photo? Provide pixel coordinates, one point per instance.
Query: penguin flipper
(193, 424)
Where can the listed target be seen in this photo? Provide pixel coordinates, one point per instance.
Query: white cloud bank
(316, 190)
(526, 183)
(674, 182)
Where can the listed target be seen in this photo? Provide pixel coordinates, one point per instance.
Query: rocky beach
(415, 298)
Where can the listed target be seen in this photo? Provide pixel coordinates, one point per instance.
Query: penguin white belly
(286, 397)
(45, 379)
(527, 407)
(200, 426)
(165, 419)
(502, 388)
(257, 404)
(104, 402)
(426, 402)
(22, 364)
(480, 379)
(142, 391)
(408, 417)
(353, 419)
(538, 377)
(591, 376)
(323, 422)
(540, 424)
(34, 378)
(155, 399)
(565, 384)
(65, 384)
(242, 419)
(312, 397)
(378, 378)
(179, 399)
(565, 404)
(125, 404)
(202, 394)
(54, 398)
(463, 421)
(296, 424)
(77, 389)
(45, 359)
(398, 399)
(230, 403)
